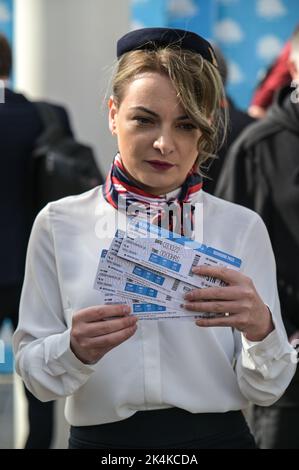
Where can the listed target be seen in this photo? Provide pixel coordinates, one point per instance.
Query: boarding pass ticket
(155, 289)
(152, 311)
(119, 283)
(156, 248)
(112, 265)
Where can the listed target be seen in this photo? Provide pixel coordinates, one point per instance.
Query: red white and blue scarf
(125, 195)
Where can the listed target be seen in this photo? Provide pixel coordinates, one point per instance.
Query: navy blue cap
(153, 38)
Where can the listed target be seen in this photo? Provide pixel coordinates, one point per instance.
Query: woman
(159, 383)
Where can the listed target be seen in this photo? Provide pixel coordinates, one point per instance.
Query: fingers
(101, 312)
(111, 340)
(214, 293)
(215, 299)
(219, 321)
(213, 307)
(94, 329)
(230, 276)
(236, 305)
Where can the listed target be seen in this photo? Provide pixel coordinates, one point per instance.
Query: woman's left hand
(239, 298)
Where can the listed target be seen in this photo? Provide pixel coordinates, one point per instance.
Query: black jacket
(20, 126)
(238, 120)
(262, 173)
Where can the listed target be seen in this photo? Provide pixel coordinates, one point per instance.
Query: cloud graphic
(228, 31)
(235, 74)
(270, 9)
(136, 25)
(182, 8)
(140, 2)
(228, 2)
(5, 15)
(260, 74)
(268, 47)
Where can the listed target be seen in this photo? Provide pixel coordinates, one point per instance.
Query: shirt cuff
(261, 354)
(60, 358)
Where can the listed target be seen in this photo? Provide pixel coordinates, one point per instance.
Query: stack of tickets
(150, 269)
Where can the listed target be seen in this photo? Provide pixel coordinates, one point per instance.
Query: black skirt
(171, 428)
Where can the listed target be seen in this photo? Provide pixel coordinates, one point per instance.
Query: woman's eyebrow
(146, 110)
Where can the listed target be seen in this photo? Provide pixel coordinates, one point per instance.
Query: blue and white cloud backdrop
(250, 33)
(6, 23)
(6, 16)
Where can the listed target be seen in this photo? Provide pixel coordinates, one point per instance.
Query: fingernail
(188, 296)
(126, 309)
(196, 269)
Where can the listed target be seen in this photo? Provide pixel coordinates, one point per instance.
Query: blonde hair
(197, 83)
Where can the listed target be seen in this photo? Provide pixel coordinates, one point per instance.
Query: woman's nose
(164, 143)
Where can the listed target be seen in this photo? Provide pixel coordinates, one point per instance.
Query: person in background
(134, 383)
(238, 120)
(277, 76)
(262, 173)
(20, 126)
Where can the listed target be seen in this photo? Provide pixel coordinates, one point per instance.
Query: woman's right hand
(95, 330)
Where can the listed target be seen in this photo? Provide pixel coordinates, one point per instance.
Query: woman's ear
(112, 115)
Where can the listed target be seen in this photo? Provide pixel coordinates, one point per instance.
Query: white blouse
(166, 363)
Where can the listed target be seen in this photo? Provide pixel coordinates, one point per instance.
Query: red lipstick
(160, 165)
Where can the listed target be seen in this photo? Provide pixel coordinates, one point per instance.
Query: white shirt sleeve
(264, 368)
(48, 366)
(57, 283)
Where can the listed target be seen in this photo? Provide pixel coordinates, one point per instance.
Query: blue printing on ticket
(166, 263)
(142, 290)
(221, 256)
(146, 308)
(185, 241)
(119, 234)
(148, 275)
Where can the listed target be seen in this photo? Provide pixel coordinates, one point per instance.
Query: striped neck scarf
(173, 211)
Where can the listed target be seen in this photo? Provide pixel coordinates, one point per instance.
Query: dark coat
(262, 173)
(20, 126)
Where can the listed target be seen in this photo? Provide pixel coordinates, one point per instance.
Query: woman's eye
(142, 120)
(187, 126)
